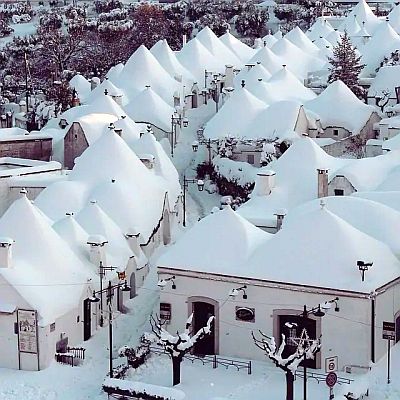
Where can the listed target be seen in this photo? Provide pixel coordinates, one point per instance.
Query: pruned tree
(307, 348)
(346, 66)
(180, 344)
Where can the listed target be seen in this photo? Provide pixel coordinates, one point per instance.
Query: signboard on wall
(331, 364)
(246, 314)
(389, 330)
(27, 331)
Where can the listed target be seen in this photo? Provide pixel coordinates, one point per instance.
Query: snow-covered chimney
(184, 40)
(322, 182)
(97, 251)
(5, 252)
(280, 215)
(22, 106)
(147, 160)
(94, 82)
(118, 131)
(229, 76)
(265, 182)
(249, 66)
(133, 236)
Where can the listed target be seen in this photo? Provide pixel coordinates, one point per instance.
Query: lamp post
(186, 182)
(215, 86)
(207, 143)
(176, 120)
(110, 294)
(317, 312)
(363, 268)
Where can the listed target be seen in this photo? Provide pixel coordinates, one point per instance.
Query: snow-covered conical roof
(296, 59)
(251, 77)
(289, 87)
(196, 58)
(105, 87)
(390, 199)
(168, 60)
(278, 34)
(96, 222)
(272, 62)
(334, 37)
(148, 106)
(384, 41)
(325, 48)
(211, 42)
(382, 222)
(81, 85)
(350, 112)
(106, 105)
(325, 249)
(394, 18)
(298, 38)
(93, 125)
(130, 130)
(263, 91)
(235, 115)
(363, 13)
(143, 69)
(353, 27)
(45, 271)
(73, 233)
(240, 49)
(114, 72)
(275, 121)
(387, 78)
(220, 232)
(269, 40)
(321, 27)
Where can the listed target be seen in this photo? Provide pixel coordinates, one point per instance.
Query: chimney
(76, 102)
(147, 160)
(5, 252)
(97, 252)
(94, 82)
(229, 76)
(322, 182)
(118, 131)
(22, 106)
(280, 215)
(184, 40)
(117, 98)
(133, 236)
(265, 183)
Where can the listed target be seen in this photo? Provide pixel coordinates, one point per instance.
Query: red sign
(331, 379)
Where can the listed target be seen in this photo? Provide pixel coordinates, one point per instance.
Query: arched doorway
(202, 308)
(132, 284)
(195, 99)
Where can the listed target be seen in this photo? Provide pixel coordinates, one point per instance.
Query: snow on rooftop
(387, 78)
(213, 44)
(81, 85)
(234, 116)
(382, 222)
(114, 72)
(272, 62)
(95, 221)
(196, 58)
(321, 249)
(298, 61)
(45, 271)
(394, 18)
(325, 48)
(334, 37)
(240, 49)
(149, 107)
(390, 199)
(384, 41)
(219, 233)
(298, 38)
(321, 27)
(130, 129)
(143, 69)
(274, 122)
(269, 40)
(362, 13)
(105, 87)
(296, 181)
(287, 87)
(93, 125)
(350, 112)
(168, 60)
(253, 76)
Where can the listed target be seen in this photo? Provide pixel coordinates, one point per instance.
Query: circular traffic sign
(331, 379)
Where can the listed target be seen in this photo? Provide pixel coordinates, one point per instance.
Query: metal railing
(70, 355)
(211, 359)
(321, 377)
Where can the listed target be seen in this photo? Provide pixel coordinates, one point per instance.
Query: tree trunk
(176, 370)
(289, 386)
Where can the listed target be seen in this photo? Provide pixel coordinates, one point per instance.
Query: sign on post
(27, 331)
(331, 364)
(389, 330)
(331, 379)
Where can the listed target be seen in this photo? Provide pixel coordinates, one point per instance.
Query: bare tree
(180, 344)
(306, 349)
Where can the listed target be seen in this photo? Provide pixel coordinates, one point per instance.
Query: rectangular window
(52, 327)
(339, 192)
(165, 311)
(336, 132)
(250, 159)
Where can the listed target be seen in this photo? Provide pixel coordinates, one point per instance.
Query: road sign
(331, 379)
(389, 330)
(331, 364)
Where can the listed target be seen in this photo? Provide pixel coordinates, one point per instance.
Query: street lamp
(363, 268)
(208, 144)
(186, 182)
(195, 146)
(317, 312)
(163, 282)
(177, 120)
(110, 294)
(235, 292)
